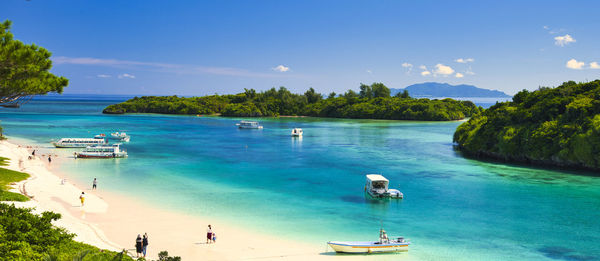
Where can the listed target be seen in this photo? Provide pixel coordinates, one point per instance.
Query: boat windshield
(378, 185)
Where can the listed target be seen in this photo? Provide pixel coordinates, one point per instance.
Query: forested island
(372, 102)
(550, 126)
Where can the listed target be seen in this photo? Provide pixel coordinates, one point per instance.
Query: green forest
(372, 102)
(550, 126)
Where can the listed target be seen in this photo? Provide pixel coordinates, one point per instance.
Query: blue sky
(202, 47)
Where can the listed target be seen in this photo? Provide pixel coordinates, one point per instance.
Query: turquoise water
(311, 189)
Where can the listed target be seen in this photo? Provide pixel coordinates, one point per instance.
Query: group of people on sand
(141, 244)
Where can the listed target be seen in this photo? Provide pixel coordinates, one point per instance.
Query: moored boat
(296, 132)
(377, 187)
(100, 136)
(249, 125)
(384, 245)
(122, 136)
(102, 151)
(78, 142)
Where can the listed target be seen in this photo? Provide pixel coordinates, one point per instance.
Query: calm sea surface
(311, 189)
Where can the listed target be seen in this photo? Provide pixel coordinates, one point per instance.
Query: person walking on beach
(49, 159)
(94, 184)
(82, 198)
(33, 153)
(209, 233)
(138, 246)
(145, 244)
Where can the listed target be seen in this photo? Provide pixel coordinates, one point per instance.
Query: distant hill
(436, 89)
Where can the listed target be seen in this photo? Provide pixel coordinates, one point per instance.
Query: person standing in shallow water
(138, 246)
(94, 183)
(209, 235)
(145, 244)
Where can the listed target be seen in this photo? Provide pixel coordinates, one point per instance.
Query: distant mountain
(436, 89)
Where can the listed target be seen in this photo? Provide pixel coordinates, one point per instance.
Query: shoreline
(112, 221)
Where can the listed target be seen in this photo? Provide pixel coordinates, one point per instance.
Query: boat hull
(367, 248)
(97, 156)
(384, 195)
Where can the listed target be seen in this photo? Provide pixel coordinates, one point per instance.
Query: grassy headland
(6, 178)
(373, 102)
(550, 126)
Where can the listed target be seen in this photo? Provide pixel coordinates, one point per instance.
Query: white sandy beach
(112, 221)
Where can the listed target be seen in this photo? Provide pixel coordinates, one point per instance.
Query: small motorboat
(296, 132)
(377, 187)
(122, 136)
(100, 136)
(249, 125)
(384, 245)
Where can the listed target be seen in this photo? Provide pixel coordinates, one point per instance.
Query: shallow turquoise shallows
(311, 189)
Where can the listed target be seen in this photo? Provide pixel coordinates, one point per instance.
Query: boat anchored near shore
(384, 245)
(78, 142)
(102, 151)
(377, 187)
(297, 132)
(121, 136)
(249, 125)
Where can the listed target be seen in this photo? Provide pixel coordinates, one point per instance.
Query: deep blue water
(311, 189)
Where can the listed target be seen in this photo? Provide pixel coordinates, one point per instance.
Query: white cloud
(126, 75)
(103, 76)
(443, 70)
(564, 40)
(425, 73)
(465, 60)
(423, 67)
(161, 67)
(574, 64)
(281, 68)
(546, 27)
(408, 66)
(594, 65)
(459, 75)
(369, 72)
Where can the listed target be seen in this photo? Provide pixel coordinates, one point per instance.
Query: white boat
(102, 151)
(248, 125)
(296, 132)
(122, 136)
(78, 142)
(384, 245)
(100, 136)
(377, 187)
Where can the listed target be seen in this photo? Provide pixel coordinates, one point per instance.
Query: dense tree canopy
(26, 236)
(373, 102)
(24, 69)
(555, 126)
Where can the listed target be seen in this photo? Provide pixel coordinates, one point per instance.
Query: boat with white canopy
(296, 132)
(377, 187)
